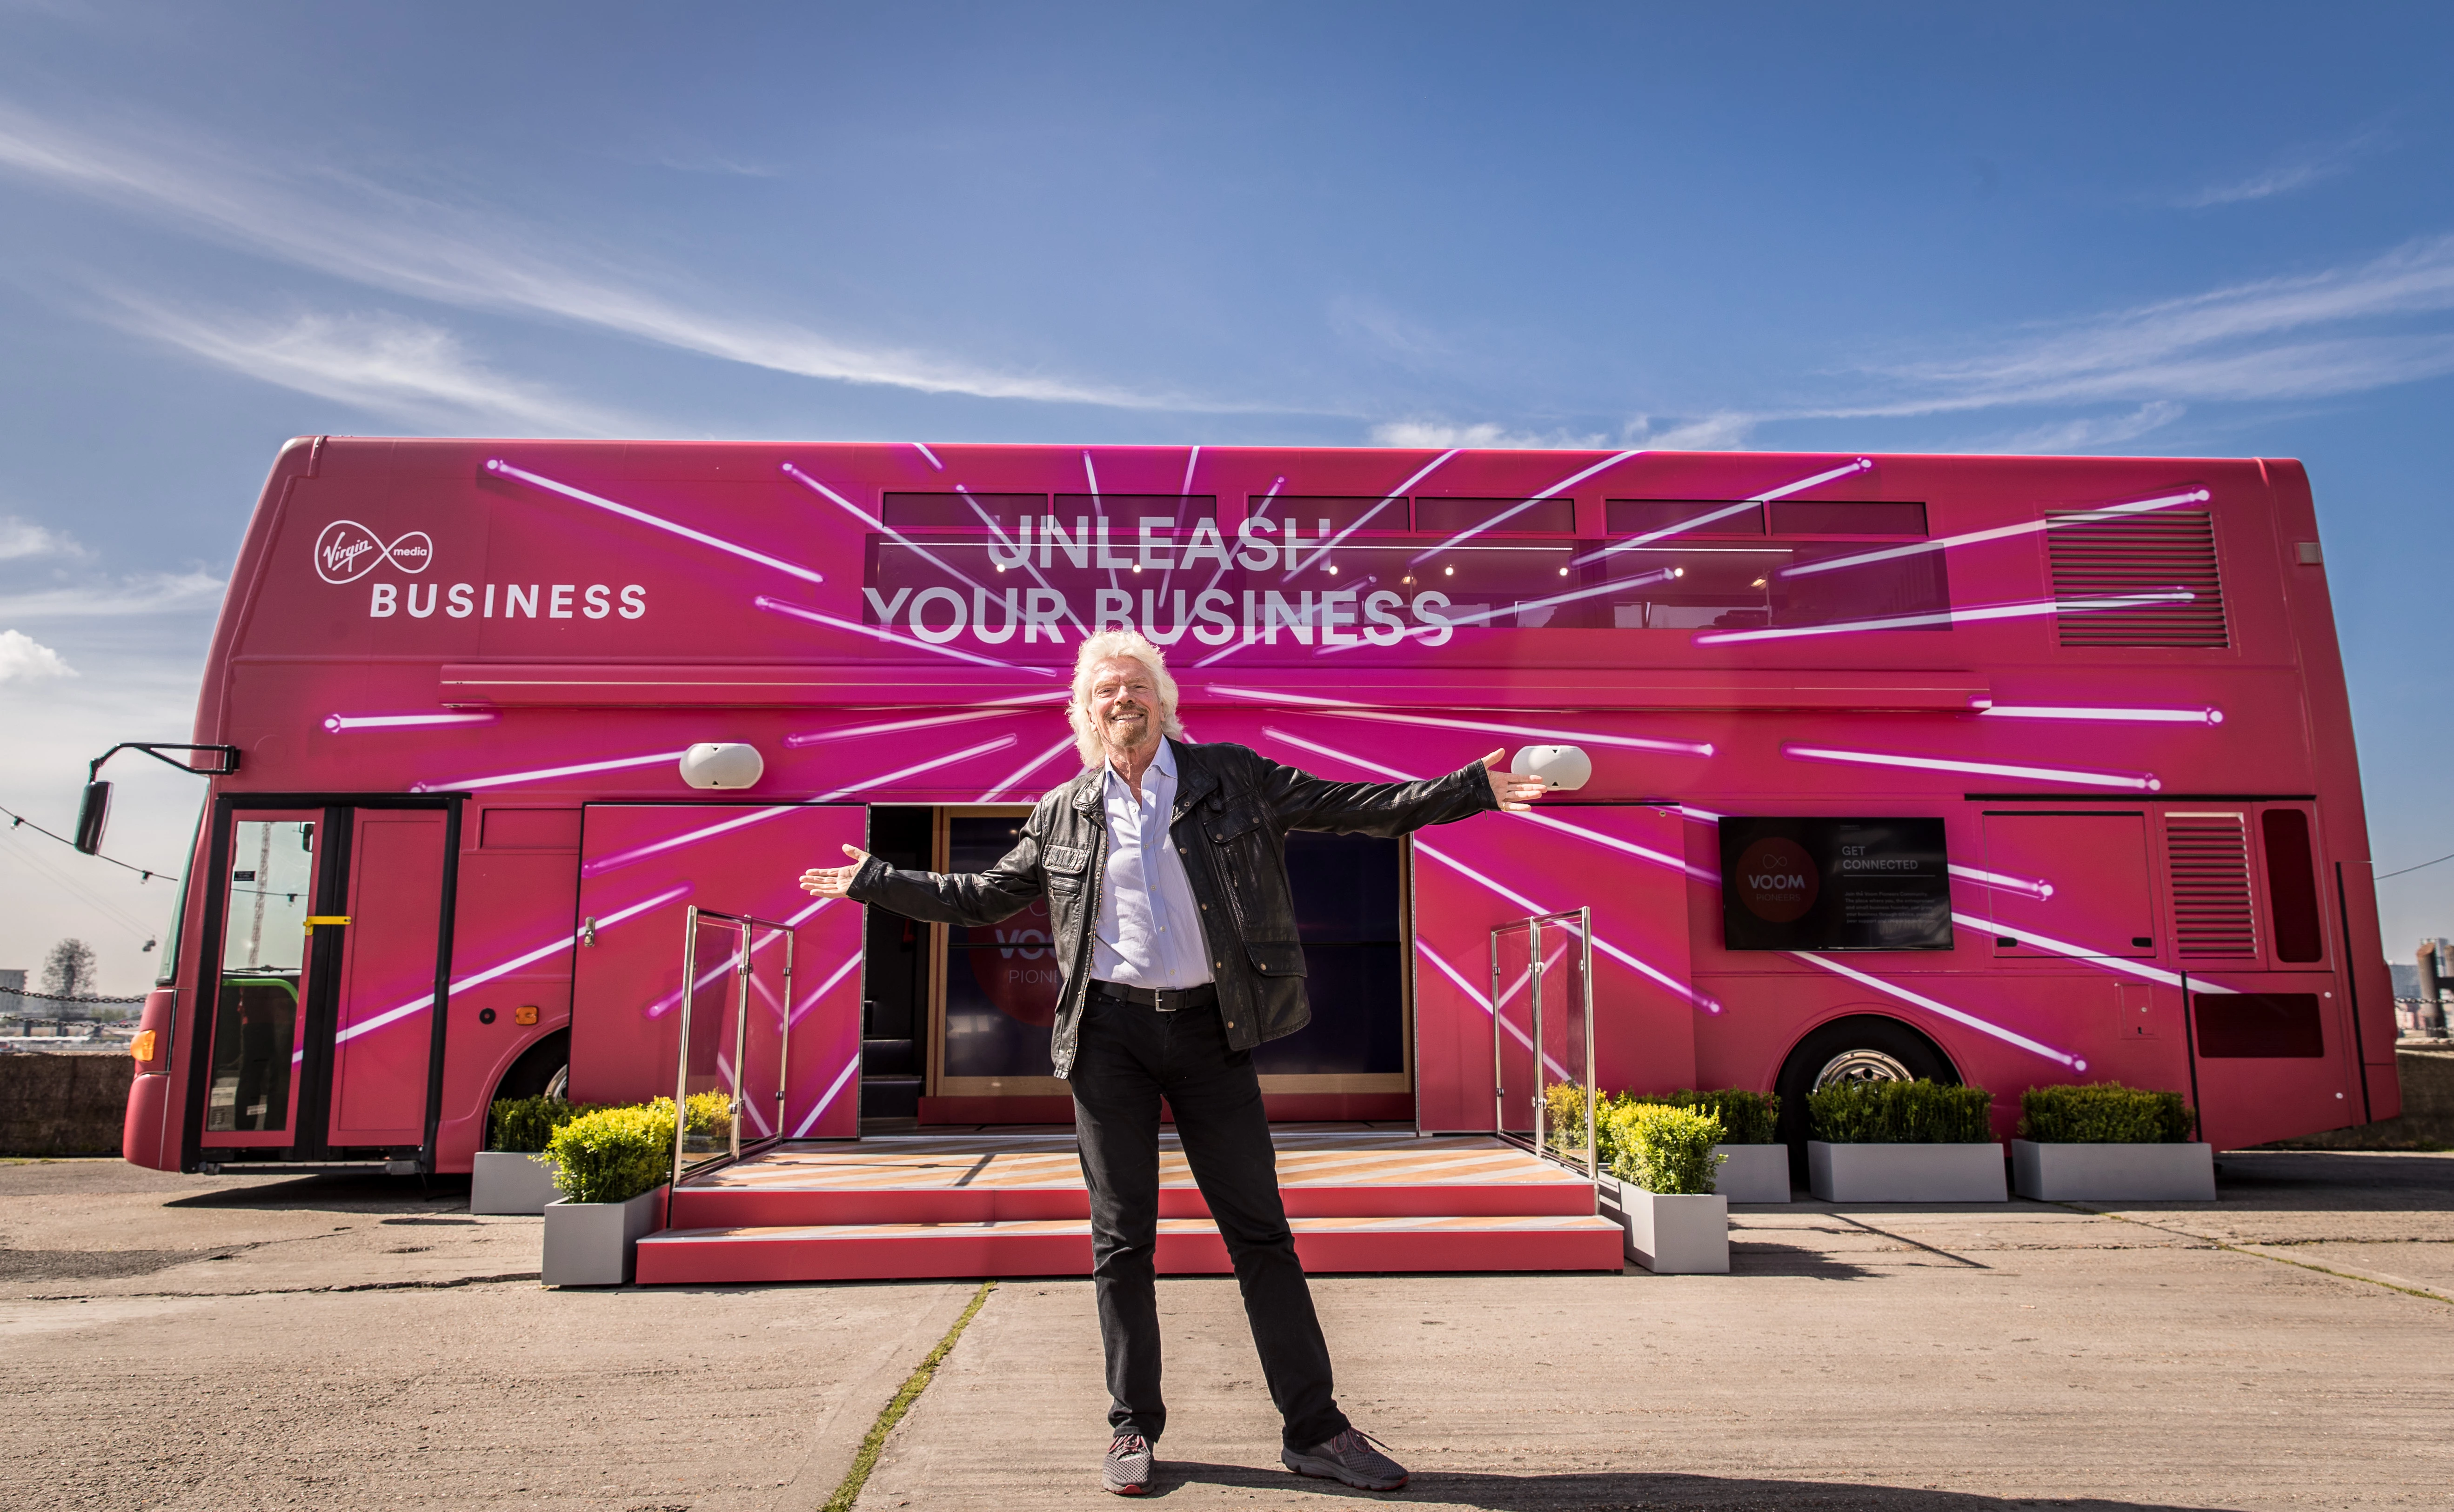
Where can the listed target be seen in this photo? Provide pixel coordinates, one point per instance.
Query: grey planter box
(1674, 1235)
(598, 1243)
(1907, 1172)
(2149, 1173)
(511, 1182)
(1752, 1173)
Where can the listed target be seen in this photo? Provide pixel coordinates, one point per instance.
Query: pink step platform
(1012, 1203)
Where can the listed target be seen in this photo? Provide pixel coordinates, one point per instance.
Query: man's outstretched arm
(961, 898)
(1304, 801)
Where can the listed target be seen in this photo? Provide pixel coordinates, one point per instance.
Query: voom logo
(347, 550)
(1777, 879)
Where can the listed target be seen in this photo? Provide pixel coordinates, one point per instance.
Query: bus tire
(1861, 1047)
(542, 1070)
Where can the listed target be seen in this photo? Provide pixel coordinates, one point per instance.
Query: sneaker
(1352, 1457)
(1127, 1469)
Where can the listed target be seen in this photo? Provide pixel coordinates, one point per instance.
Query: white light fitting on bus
(1562, 768)
(722, 764)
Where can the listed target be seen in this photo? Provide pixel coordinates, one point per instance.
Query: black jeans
(1129, 1057)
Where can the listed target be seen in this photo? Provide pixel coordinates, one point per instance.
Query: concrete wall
(63, 1104)
(2427, 1122)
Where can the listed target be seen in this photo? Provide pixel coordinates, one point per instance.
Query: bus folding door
(384, 1028)
(1625, 863)
(641, 867)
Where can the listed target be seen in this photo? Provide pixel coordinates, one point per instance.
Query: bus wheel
(1863, 1047)
(543, 1070)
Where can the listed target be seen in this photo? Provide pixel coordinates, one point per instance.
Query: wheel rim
(1861, 1065)
(560, 1084)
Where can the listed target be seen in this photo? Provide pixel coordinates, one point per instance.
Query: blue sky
(2176, 229)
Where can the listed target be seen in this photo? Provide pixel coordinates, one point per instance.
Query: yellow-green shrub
(526, 1123)
(2104, 1113)
(1920, 1112)
(710, 1113)
(1662, 1149)
(612, 1154)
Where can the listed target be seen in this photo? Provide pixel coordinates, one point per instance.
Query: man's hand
(1516, 793)
(834, 881)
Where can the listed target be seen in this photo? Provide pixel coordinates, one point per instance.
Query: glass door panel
(251, 1094)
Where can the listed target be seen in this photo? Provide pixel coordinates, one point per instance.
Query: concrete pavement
(246, 1342)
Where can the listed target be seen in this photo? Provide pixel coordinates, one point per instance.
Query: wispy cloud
(1722, 431)
(111, 598)
(320, 218)
(2094, 433)
(380, 363)
(1438, 434)
(2296, 169)
(25, 659)
(24, 538)
(2340, 331)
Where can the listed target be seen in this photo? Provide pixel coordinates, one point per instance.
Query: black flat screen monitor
(1834, 884)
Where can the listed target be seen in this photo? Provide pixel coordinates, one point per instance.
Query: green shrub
(2104, 1113)
(1917, 1112)
(1747, 1117)
(1661, 1148)
(1563, 1119)
(526, 1123)
(612, 1154)
(710, 1113)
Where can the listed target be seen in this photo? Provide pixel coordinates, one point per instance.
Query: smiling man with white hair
(1164, 864)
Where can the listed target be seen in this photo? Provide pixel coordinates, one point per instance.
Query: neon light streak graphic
(841, 1077)
(1475, 996)
(546, 774)
(1191, 459)
(795, 742)
(1668, 982)
(503, 469)
(2063, 947)
(881, 633)
(337, 723)
(2025, 610)
(825, 987)
(2137, 782)
(1025, 770)
(606, 863)
(2041, 891)
(1642, 852)
(935, 466)
(1497, 520)
(1480, 616)
(506, 968)
(1531, 907)
(1368, 516)
(1956, 1016)
(1860, 465)
(1028, 565)
(797, 475)
(1697, 748)
(2018, 710)
(1998, 532)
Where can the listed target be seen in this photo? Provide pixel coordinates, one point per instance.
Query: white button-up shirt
(1150, 926)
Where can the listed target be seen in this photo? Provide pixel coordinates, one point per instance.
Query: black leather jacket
(1233, 810)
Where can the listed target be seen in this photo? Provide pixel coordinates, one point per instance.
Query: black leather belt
(1166, 1000)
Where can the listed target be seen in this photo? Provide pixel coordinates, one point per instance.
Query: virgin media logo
(347, 550)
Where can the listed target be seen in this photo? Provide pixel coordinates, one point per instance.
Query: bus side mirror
(92, 814)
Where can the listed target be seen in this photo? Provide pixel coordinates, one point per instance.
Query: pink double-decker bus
(2009, 770)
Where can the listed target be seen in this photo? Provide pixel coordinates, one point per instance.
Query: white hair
(1117, 645)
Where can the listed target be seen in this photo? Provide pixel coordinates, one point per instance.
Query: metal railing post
(1534, 987)
(1593, 1131)
(784, 1039)
(740, 1038)
(681, 1066)
(1499, 1076)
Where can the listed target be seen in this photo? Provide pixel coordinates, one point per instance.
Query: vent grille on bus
(2208, 854)
(2094, 558)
